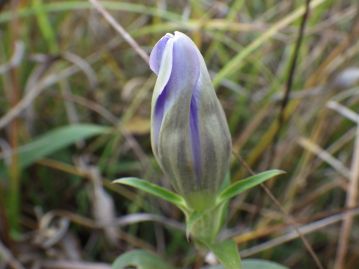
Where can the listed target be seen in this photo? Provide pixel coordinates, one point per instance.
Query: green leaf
(54, 140)
(140, 259)
(160, 192)
(254, 264)
(227, 253)
(245, 184)
(259, 264)
(45, 25)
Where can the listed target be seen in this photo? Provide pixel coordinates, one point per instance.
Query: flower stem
(227, 253)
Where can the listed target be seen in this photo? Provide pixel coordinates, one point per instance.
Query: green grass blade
(54, 140)
(245, 184)
(45, 25)
(62, 6)
(153, 189)
(237, 62)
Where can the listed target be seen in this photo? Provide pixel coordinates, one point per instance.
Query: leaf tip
(280, 172)
(119, 180)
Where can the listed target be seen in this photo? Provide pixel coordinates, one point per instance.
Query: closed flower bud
(189, 134)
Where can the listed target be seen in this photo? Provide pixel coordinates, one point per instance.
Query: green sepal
(158, 191)
(245, 184)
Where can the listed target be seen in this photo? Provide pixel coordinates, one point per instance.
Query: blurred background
(74, 115)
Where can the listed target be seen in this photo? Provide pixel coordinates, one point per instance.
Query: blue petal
(183, 74)
(183, 82)
(157, 53)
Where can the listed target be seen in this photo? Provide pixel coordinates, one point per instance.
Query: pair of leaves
(225, 195)
(225, 251)
(228, 193)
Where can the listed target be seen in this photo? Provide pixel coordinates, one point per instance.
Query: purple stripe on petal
(195, 134)
(164, 74)
(157, 52)
(184, 80)
(159, 110)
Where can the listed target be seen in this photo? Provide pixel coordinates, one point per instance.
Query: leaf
(245, 184)
(155, 190)
(259, 264)
(227, 253)
(254, 264)
(54, 140)
(45, 25)
(140, 259)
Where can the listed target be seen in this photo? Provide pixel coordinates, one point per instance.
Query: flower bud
(189, 132)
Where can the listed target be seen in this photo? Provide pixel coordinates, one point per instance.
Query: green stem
(227, 253)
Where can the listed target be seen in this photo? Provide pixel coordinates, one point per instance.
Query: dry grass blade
(325, 156)
(28, 99)
(38, 86)
(289, 84)
(344, 111)
(103, 205)
(305, 229)
(352, 194)
(118, 222)
(16, 59)
(287, 216)
(7, 257)
(73, 265)
(83, 65)
(237, 61)
(120, 30)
